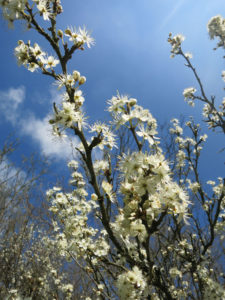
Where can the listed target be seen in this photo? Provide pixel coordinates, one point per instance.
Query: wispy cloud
(10, 101)
(172, 13)
(41, 132)
(38, 129)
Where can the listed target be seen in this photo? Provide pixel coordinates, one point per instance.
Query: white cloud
(55, 96)
(36, 128)
(10, 101)
(41, 132)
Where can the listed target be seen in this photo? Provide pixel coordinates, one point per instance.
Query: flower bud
(60, 33)
(68, 32)
(82, 80)
(132, 102)
(59, 9)
(76, 75)
(94, 197)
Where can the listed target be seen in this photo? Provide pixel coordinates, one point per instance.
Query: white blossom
(131, 284)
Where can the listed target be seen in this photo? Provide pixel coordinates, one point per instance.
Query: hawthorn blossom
(78, 98)
(148, 176)
(65, 80)
(22, 53)
(117, 103)
(45, 11)
(76, 75)
(68, 116)
(107, 136)
(147, 134)
(13, 9)
(107, 188)
(79, 36)
(188, 55)
(101, 166)
(33, 57)
(125, 110)
(72, 210)
(174, 272)
(49, 62)
(175, 42)
(36, 51)
(189, 93)
(32, 67)
(85, 37)
(131, 285)
(216, 28)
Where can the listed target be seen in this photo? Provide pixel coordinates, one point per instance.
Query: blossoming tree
(31, 268)
(131, 221)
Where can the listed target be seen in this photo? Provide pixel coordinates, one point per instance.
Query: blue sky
(131, 55)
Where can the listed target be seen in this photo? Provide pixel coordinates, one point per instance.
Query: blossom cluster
(76, 238)
(33, 57)
(126, 112)
(70, 113)
(19, 9)
(68, 116)
(188, 147)
(175, 42)
(13, 10)
(216, 28)
(212, 290)
(213, 115)
(69, 81)
(148, 191)
(189, 95)
(79, 36)
(107, 136)
(131, 285)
